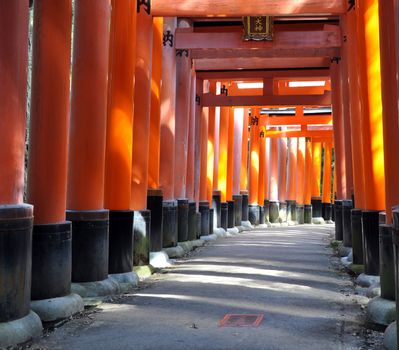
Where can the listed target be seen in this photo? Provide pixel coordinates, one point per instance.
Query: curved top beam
(237, 8)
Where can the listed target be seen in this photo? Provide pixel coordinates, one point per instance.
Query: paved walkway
(283, 273)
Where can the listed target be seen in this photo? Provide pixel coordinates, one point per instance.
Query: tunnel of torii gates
(173, 127)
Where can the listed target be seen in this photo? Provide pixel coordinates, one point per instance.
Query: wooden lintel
(211, 100)
(323, 134)
(238, 8)
(329, 38)
(305, 120)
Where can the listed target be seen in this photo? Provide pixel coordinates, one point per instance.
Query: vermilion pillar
(211, 147)
(291, 179)
(168, 132)
(239, 119)
(282, 177)
(262, 168)
(204, 115)
(254, 167)
(308, 182)
(390, 112)
(216, 144)
(49, 124)
(316, 166)
(230, 171)
(87, 140)
(223, 152)
(191, 139)
(244, 167)
(274, 205)
(15, 218)
(300, 180)
(327, 173)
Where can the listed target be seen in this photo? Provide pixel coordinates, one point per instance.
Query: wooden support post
(308, 172)
(204, 115)
(190, 193)
(300, 170)
(223, 152)
(327, 173)
(316, 165)
(230, 156)
(211, 147)
(244, 158)
(239, 121)
(282, 169)
(262, 170)
(292, 169)
(254, 157)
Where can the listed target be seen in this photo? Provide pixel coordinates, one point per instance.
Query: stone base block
(381, 311)
(247, 225)
(174, 252)
(209, 238)
(143, 271)
(57, 308)
(263, 226)
(198, 243)
(233, 231)
(373, 291)
(220, 232)
(366, 281)
(291, 223)
(347, 260)
(159, 260)
(20, 330)
(318, 221)
(390, 337)
(127, 281)
(96, 289)
(344, 251)
(187, 246)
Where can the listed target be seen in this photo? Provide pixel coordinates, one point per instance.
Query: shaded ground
(287, 274)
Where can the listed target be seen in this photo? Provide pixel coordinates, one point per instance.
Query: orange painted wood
(308, 172)
(300, 171)
(203, 194)
(199, 88)
(191, 140)
(216, 150)
(237, 8)
(292, 169)
(373, 145)
(118, 158)
(267, 170)
(305, 120)
(210, 64)
(389, 58)
(239, 119)
(49, 117)
(327, 173)
(282, 169)
(168, 110)
(339, 136)
(254, 159)
(87, 137)
(262, 171)
(210, 100)
(230, 157)
(274, 168)
(155, 123)
(293, 133)
(14, 19)
(223, 152)
(316, 169)
(211, 148)
(142, 114)
(183, 72)
(244, 156)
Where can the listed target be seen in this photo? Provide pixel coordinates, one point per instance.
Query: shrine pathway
(285, 273)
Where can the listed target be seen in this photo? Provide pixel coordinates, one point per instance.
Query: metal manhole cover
(241, 320)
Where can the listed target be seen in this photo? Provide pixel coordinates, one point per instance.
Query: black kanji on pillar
(146, 4)
(168, 38)
(181, 52)
(254, 120)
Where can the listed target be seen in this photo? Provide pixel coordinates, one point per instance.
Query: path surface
(283, 273)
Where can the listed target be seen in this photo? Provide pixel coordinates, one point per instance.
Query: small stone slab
(381, 311)
(390, 337)
(366, 281)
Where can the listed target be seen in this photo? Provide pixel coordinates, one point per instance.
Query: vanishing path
(283, 273)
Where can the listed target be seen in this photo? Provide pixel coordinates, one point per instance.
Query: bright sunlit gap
(256, 85)
(314, 83)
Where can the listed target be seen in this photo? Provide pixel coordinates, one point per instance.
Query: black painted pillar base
(291, 210)
(261, 215)
(245, 206)
(169, 226)
(274, 212)
(120, 258)
(333, 212)
(339, 228)
(307, 214)
(224, 215)
(253, 210)
(266, 208)
(317, 207)
(51, 260)
(192, 221)
(182, 220)
(155, 205)
(300, 214)
(90, 245)
(230, 215)
(283, 212)
(357, 240)
(204, 210)
(141, 234)
(16, 224)
(199, 224)
(387, 269)
(217, 208)
(371, 253)
(237, 209)
(346, 222)
(326, 211)
(211, 221)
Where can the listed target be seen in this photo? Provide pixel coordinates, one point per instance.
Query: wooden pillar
(308, 172)
(211, 147)
(300, 170)
(254, 157)
(373, 145)
(267, 169)
(239, 121)
(14, 19)
(390, 111)
(216, 144)
(282, 169)
(223, 152)
(119, 146)
(244, 156)
(316, 168)
(168, 103)
(191, 139)
(274, 176)
(230, 156)
(327, 173)
(203, 144)
(338, 119)
(49, 118)
(292, 169)
(154, 148)
(262, 169)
